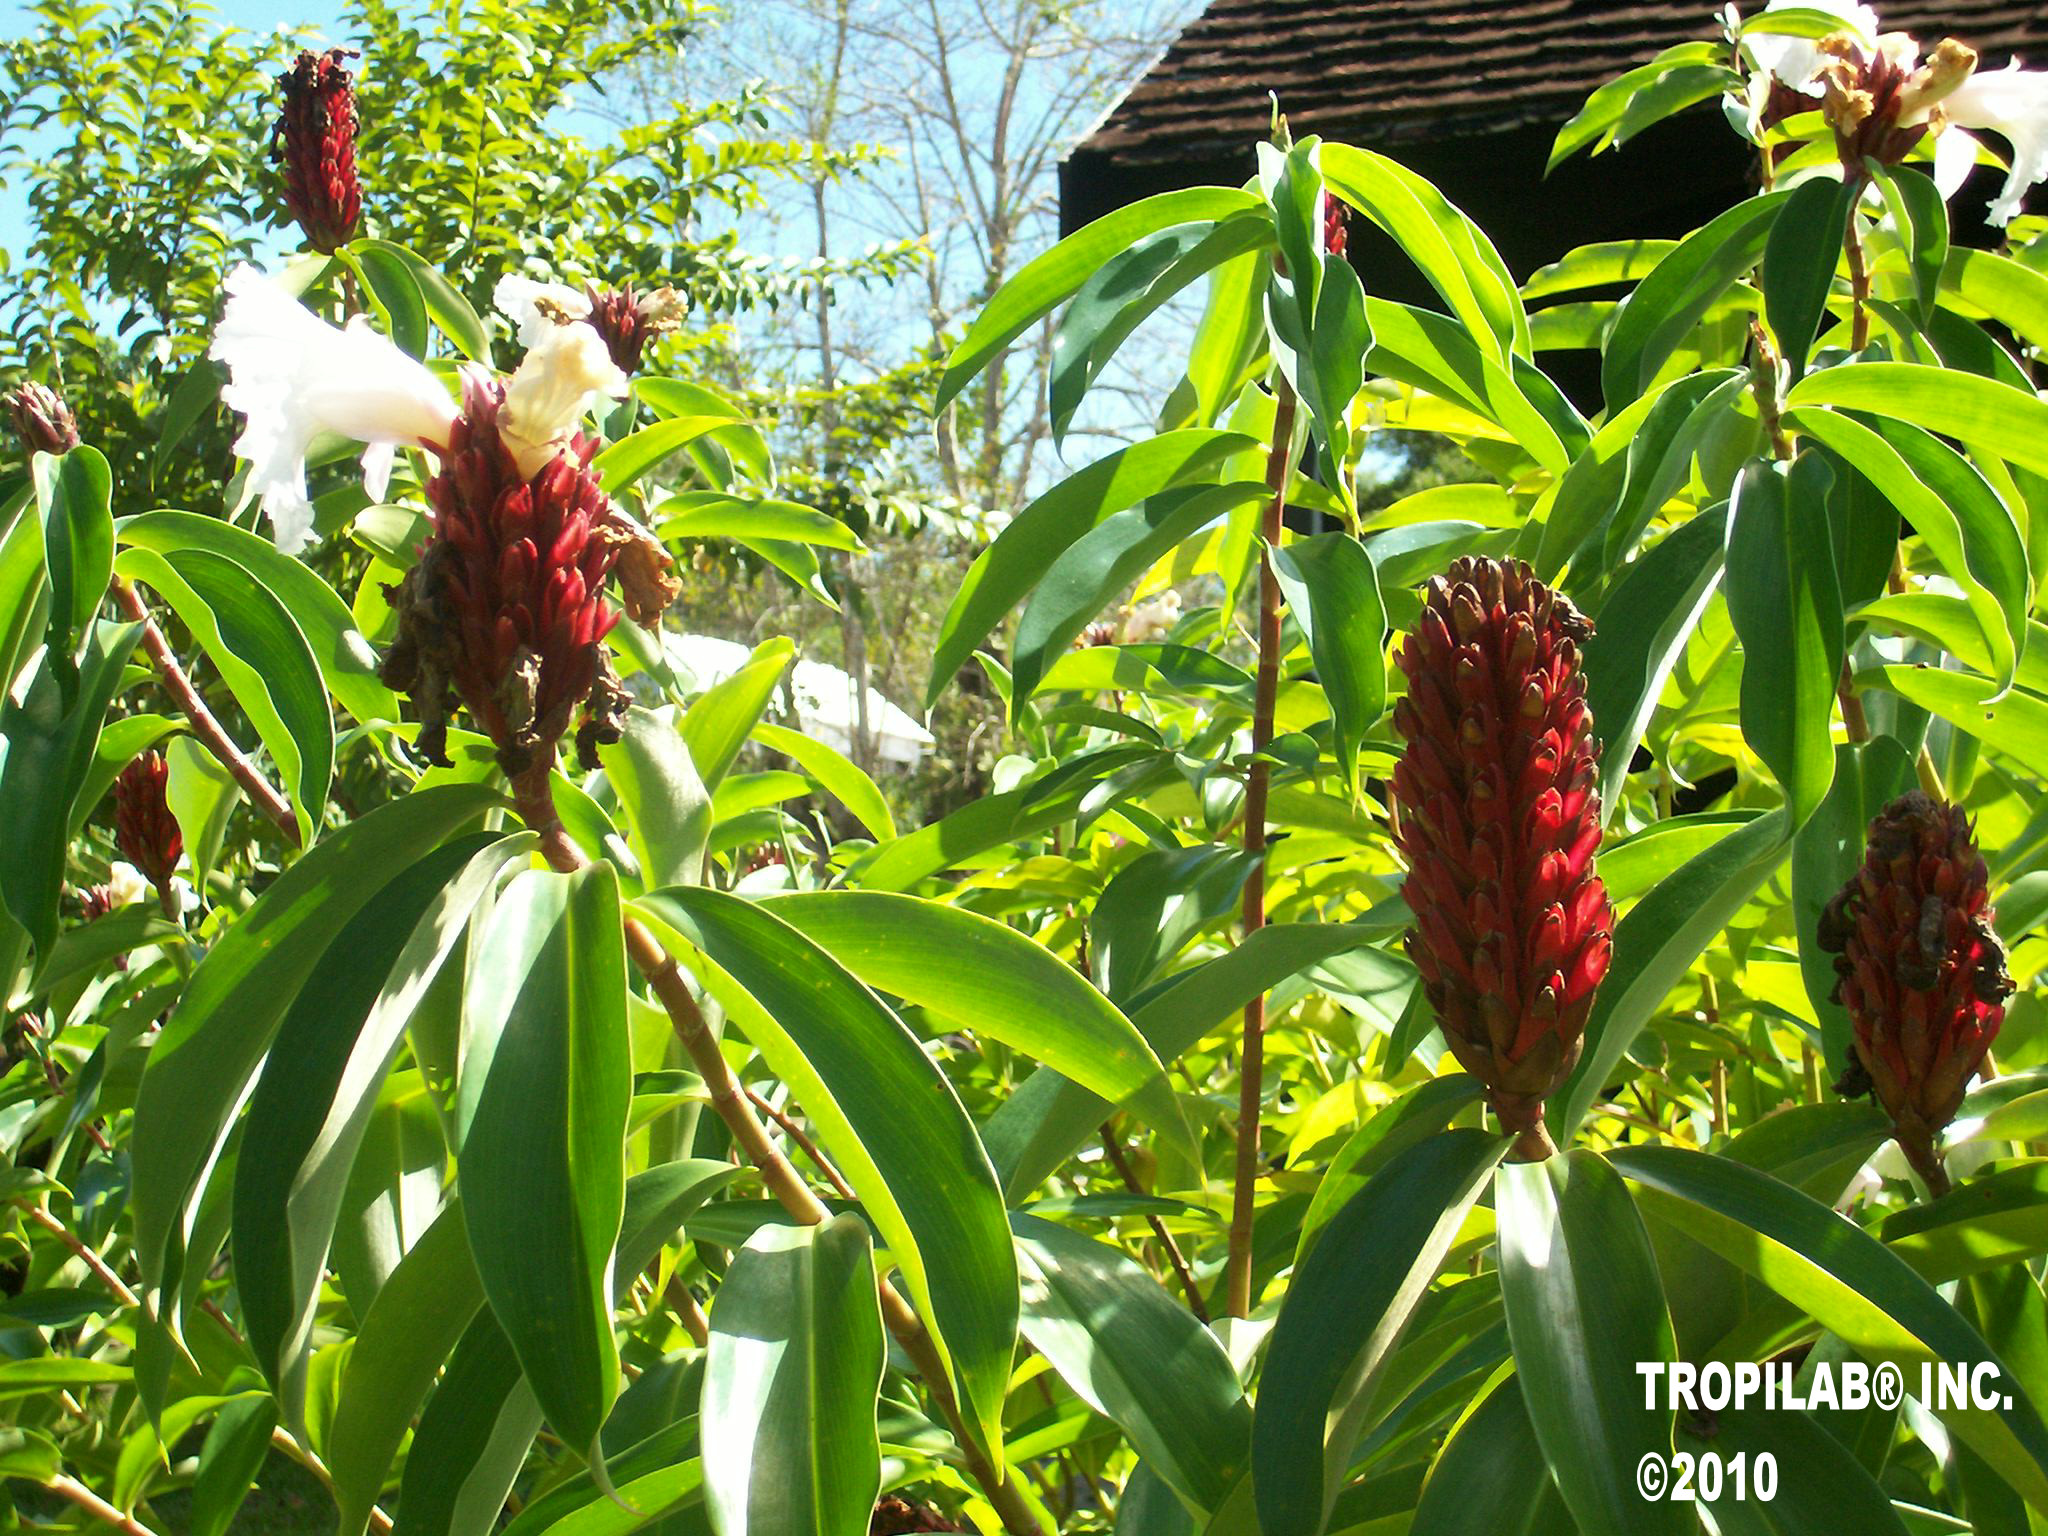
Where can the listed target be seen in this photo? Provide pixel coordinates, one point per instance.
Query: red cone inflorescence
(628, 320)
(1336, 225)
(505, 610)
(1919, 966)
(1499, 821)
(144, 829)
(315, 139)
(42, 419)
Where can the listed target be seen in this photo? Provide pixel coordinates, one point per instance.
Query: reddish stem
(1266, 691)
(201, 719)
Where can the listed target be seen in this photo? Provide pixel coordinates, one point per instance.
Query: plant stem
(71, 1488)
(804, 1144)
(208, 729)
(536, 806)
(1859, 284)
(1113, 1147)
(1252, 1067)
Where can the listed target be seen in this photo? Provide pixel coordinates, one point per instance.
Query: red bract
(315, 139)
(1336, 225)
(506, 608)
(1920, 967)
(1499, 822)
(42, 419)
(144, 829)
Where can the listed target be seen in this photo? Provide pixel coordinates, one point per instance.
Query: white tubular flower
(538, 308)
(2013, 103)
(559, 380)
(1794, 61)
(293, 377)
(125, 883)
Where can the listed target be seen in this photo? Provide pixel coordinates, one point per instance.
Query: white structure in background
(825, 698)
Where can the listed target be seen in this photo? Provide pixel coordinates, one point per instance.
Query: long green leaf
(1138, 1357)
(1490, 1479)
(545, 1092)
(1947, 401)
(1846, 1280)
(716, 726)
(471, 1441)
(1330, 585)
(790, 1382)
(262, 654)
(1026, 550)
(2015, 724)
(1345, 1310)
(1786, 606)
(74, 492)
(209, 1048)
(1051, 279)
(1584, 1308)
(1800, 257)
(991, 979)
(1656, 944)
(885, 1114)
(840, 776)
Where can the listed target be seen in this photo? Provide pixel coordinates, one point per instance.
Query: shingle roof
(1395, 70)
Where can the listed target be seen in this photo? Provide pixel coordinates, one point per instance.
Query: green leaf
(1921, 215)
(395, 292)
(1130, 287)
(659, 1486)
(627, 460)
(1607, 106)
(716, 515)
(1096, 568)
(545, 1091)
(1821, 1489)
(1334, 593)
(419, 1316)
(1676, 296)
(50, 734)
(472, 1440)
(209, 1049)
(24, 593)
(202, 796)
(229, 1459)
(2013, 294)
(320, 1084)
(884, 1113)
(718, 723)
(1490, 1479)
(980, 975)
(1434, 353)
(1052, 278)
(194, 396)
(1982, 412)
(1800, 258)
(2015, 724)
(1656, 943)
(790, 1382)
(1843, 1278)
(1154, 905)
(1644, 627)
(442, 300)
(1138, 1357)
(1415, 1116)
(1584, 1308)
(74, 493)
(347, 663)
(262, 655)
(736, 444)
(1450, 251)
(1995, 1221)
(1343, 1314)
(1027, 548)
(838, 774)
(1786, 606)
(667, 812)
(1965, 523)
(1038, 1127)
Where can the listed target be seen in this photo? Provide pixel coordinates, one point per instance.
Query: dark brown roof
(1389, 71)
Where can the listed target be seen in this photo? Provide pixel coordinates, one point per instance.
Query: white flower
(1795, 60)
(125, 883)
(538, 308)
(569, 371)
(2013, 103)
(294, 377)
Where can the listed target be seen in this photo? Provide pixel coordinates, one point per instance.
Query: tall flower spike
(1499, 821)
(505, 610)
(42, 419)
(1920, 968)
(144, 829)
(315, 140)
